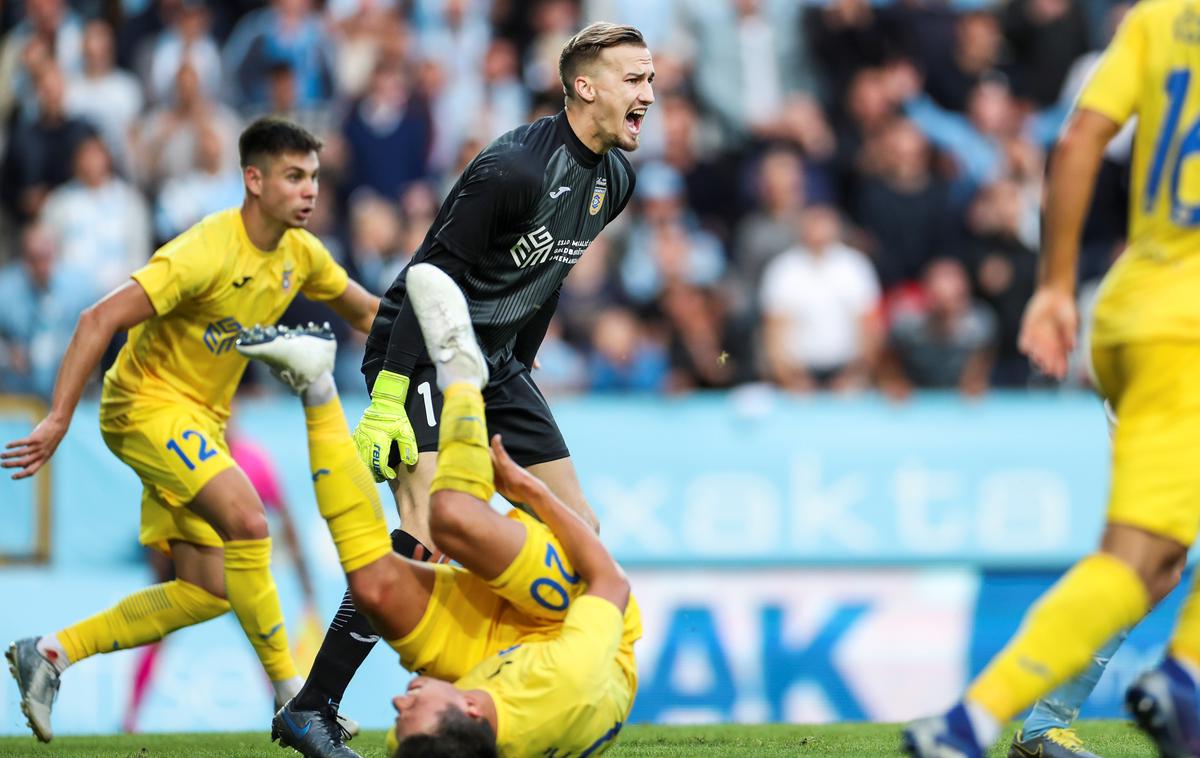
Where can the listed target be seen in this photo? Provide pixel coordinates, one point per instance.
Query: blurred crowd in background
(833, 195)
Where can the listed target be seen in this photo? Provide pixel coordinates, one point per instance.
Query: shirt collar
(575, 146)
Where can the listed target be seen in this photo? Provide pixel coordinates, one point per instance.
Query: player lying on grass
(164, 406)
(509, 232)
(526, 649)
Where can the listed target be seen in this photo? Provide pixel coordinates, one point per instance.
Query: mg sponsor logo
(532, 248)
(219, 336)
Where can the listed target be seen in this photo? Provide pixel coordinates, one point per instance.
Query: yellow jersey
(1152, 70)
(567, 695)
(205, 285)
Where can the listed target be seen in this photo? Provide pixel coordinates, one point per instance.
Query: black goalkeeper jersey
(516, 221)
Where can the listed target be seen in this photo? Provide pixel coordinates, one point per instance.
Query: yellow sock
(251, 591)
(1185, 642)
(145, 616)
(1096, 599)
(346, 493)
(463, 463)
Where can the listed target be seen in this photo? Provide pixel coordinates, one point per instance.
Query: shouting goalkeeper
(509, 232)
(524, 650)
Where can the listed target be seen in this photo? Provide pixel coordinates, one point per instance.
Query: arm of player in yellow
(1050, 323)
(356, 306)
(603, 575)
(121, 309)
(1071, 181)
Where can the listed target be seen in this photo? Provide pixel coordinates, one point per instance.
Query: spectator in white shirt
(108, 97)
(819, 303)
(166, 137)
(100, 220)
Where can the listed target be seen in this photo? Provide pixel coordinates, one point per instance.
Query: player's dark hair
(586, 47)
(271, 136)
(457, 736)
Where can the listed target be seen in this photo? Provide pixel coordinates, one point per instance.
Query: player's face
(419, 709)
(624, 90)
(288, 188)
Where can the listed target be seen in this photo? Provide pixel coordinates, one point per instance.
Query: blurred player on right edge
(1146, 361)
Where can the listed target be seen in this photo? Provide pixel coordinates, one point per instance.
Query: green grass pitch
(1111, 739)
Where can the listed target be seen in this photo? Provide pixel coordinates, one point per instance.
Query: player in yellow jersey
(1146, 362)
(164, 406)
(526, 649)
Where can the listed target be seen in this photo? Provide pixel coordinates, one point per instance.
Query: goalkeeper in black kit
(508, 233)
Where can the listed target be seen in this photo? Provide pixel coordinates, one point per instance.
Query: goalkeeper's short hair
(457, 736)
(586, 46)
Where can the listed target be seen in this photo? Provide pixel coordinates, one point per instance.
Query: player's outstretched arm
(356, 306)
(587, 554)
(121, 309)
(1050, 323)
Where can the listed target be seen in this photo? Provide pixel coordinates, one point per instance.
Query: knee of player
(372, 592)
(451, 515)
(248, 524)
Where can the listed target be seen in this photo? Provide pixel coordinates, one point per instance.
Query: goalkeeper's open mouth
(633, 120)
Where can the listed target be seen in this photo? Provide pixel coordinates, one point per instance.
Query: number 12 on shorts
(203, 452)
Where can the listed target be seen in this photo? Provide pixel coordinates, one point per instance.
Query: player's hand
(1048, 330)
(383, 423)
(513, 482)
(31, 453)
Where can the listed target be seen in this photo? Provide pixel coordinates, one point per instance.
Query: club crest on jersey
(287, 279)
(532, 248)
(598, 193)
(219, 336)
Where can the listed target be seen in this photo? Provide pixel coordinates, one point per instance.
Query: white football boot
(295, 356)
(446, 326)
(37, 680)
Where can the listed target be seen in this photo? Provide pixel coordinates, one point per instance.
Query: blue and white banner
(1012, 480)
(756, 645)
(795, 560)
(744, 479)
(801, 645)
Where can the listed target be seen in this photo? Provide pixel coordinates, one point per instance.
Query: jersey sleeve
(326, 277)
(181, 269)
(1115, 85)
(499, 189)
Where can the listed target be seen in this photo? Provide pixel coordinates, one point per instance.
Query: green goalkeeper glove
(383, 423)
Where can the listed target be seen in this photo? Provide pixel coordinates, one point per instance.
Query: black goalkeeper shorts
(516, 410)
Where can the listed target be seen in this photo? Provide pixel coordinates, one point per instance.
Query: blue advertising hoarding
(795, 560)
